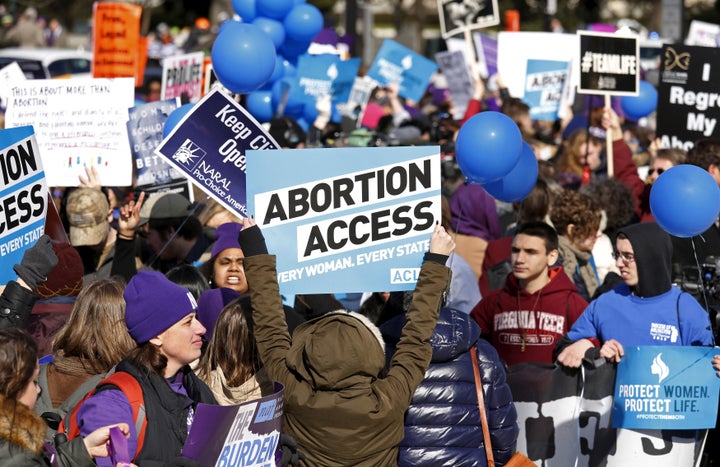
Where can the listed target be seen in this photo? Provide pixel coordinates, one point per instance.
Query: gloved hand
(37, 263)
(290, 453)
(251, 240)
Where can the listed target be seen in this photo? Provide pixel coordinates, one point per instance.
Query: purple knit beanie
(226, 236)
(210, 304)
(153, 304)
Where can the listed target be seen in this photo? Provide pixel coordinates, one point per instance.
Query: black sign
(688, 95)
(609, 64)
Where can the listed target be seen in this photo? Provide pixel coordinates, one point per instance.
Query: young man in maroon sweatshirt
(538, 303)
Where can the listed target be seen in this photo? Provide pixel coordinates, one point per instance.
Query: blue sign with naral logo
(666, 387)
(208, 145)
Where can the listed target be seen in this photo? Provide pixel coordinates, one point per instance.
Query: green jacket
(336, 406)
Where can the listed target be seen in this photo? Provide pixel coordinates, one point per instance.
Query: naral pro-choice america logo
(189, 155)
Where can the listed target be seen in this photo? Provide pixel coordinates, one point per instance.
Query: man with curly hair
(576, 218)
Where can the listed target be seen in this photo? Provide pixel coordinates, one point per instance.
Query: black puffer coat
(442, 425)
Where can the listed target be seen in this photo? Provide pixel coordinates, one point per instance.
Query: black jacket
(442, 424)
(16, 303)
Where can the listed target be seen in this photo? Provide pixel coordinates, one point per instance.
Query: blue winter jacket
(442, 425)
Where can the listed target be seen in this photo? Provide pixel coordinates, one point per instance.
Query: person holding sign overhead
(646, 309)
(337, 405)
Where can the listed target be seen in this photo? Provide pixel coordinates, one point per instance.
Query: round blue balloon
(276, 9)
(243, 57)
(292, 49)
(259, 104)
(303, 22)
(246, 9)
(174, 118)
(488, 146)
(272, 28)
(288, 68)
(642, 105)
(685, 200)
(519, 182)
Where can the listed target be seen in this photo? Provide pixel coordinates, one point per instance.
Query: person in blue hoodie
(442, 425)
(646, 309)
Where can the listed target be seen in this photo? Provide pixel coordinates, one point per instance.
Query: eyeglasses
(626, 257)
(659, 171)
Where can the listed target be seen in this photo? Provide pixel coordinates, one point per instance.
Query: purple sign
(209, 144)
(237, 435)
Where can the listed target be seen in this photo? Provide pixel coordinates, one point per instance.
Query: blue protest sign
(145, 130)
(320, 75)
(359, 220)
(544, 84)
(23, 197)
(666, 387)
(395, 63)
(209, 144)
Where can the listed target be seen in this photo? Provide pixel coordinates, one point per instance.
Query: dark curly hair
(580, 210)
(614, 198)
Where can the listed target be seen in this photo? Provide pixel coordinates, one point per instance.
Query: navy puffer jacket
(442, 425)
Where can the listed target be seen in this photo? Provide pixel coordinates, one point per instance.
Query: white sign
(78, 123)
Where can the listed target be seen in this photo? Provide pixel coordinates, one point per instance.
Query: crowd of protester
(183, 297)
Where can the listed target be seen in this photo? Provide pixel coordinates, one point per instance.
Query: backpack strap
(79, 393)
(130, 387)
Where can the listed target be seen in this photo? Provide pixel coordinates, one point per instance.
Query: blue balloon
(685, 200)
(276, 9)
(243, 57)
(272, 28)
(303, 22)
(288, 68)
(174, 118)
(488, 146)
(642, 105)
(519, 182)
(246, 9)
(292, 49)
(259, 104)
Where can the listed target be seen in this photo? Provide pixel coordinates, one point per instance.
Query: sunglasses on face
(659, 171)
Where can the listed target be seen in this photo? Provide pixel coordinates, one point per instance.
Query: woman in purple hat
(160, 317)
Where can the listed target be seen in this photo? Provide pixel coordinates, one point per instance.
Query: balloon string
(702, 285)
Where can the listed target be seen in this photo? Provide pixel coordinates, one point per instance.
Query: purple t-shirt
(111, 407)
